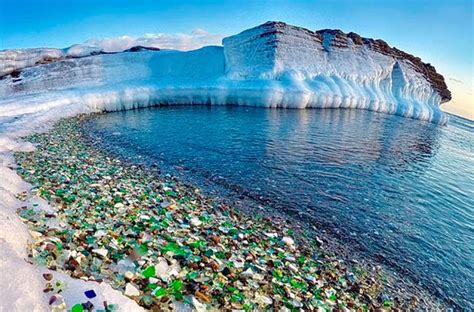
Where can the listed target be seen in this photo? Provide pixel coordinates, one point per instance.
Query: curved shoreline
(56, 139)
(328, 232)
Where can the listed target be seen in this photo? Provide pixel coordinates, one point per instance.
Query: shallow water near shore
(396, 189)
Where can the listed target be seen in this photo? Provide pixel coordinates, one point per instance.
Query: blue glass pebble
(90, 294)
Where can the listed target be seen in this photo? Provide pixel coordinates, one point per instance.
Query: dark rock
(226, 271)
(88, 306)
(48, 276)
(141, 48)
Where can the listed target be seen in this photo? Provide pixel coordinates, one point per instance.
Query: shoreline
(295, 277)
(311, 231)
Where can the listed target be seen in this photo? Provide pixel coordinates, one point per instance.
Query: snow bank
(13, 60)
(16, 60)
(75, 289)
(22, 285)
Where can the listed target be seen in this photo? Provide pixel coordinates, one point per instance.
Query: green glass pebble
(77, 308)
(192, 275)
(177, 285)
(160, 291)
(178, 295)
(149, 272)
(146, 300)
(112, 307)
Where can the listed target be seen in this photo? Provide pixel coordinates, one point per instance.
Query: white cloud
(456, 80)
(181, 41)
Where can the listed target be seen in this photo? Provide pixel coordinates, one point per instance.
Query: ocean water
(399, 190)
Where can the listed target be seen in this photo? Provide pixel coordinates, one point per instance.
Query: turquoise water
(399, 190)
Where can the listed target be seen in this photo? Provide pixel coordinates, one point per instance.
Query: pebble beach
(169, 247)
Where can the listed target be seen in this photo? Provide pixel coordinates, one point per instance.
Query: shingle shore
(164, 244)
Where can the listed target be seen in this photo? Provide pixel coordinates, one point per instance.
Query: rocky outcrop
(141, 48)
(337, 39)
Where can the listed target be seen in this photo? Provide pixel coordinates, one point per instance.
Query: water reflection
(356, 138)
(397, 189)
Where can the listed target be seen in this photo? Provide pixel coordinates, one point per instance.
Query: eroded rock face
(337, 39)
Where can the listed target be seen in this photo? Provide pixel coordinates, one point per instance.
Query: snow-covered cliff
(12, 61)
(272, 65)
(332, 69)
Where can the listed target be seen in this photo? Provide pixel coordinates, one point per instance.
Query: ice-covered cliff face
(12, 61)
(272, 65)
(332, 69)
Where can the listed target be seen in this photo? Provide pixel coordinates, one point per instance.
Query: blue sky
(440, 32)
